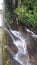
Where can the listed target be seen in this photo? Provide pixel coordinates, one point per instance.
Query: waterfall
(19, 41)
(22, 48)
(31, 33)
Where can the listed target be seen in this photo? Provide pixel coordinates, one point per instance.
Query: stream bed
(22, 45)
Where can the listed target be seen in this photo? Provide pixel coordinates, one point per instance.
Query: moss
(5, 59)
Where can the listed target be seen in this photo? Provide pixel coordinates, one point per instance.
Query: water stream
(21, 41)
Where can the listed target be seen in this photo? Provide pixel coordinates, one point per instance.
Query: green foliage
(26, 2)
(27, 13)
(9, 17)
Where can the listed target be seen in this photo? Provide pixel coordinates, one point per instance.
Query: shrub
(27, 14)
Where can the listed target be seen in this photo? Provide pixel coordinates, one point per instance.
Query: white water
(22, 49)
(22, 55)
(32, 33)
(21, 44)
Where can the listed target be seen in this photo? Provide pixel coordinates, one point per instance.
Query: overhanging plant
(26, 17)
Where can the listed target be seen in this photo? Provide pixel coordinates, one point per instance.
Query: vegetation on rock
(27, 13)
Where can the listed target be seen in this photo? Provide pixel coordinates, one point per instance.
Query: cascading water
(22, 55)
(32, 33)
(19, 41)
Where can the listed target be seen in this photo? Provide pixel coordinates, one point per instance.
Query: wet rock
(32, 59)
(26, 42)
